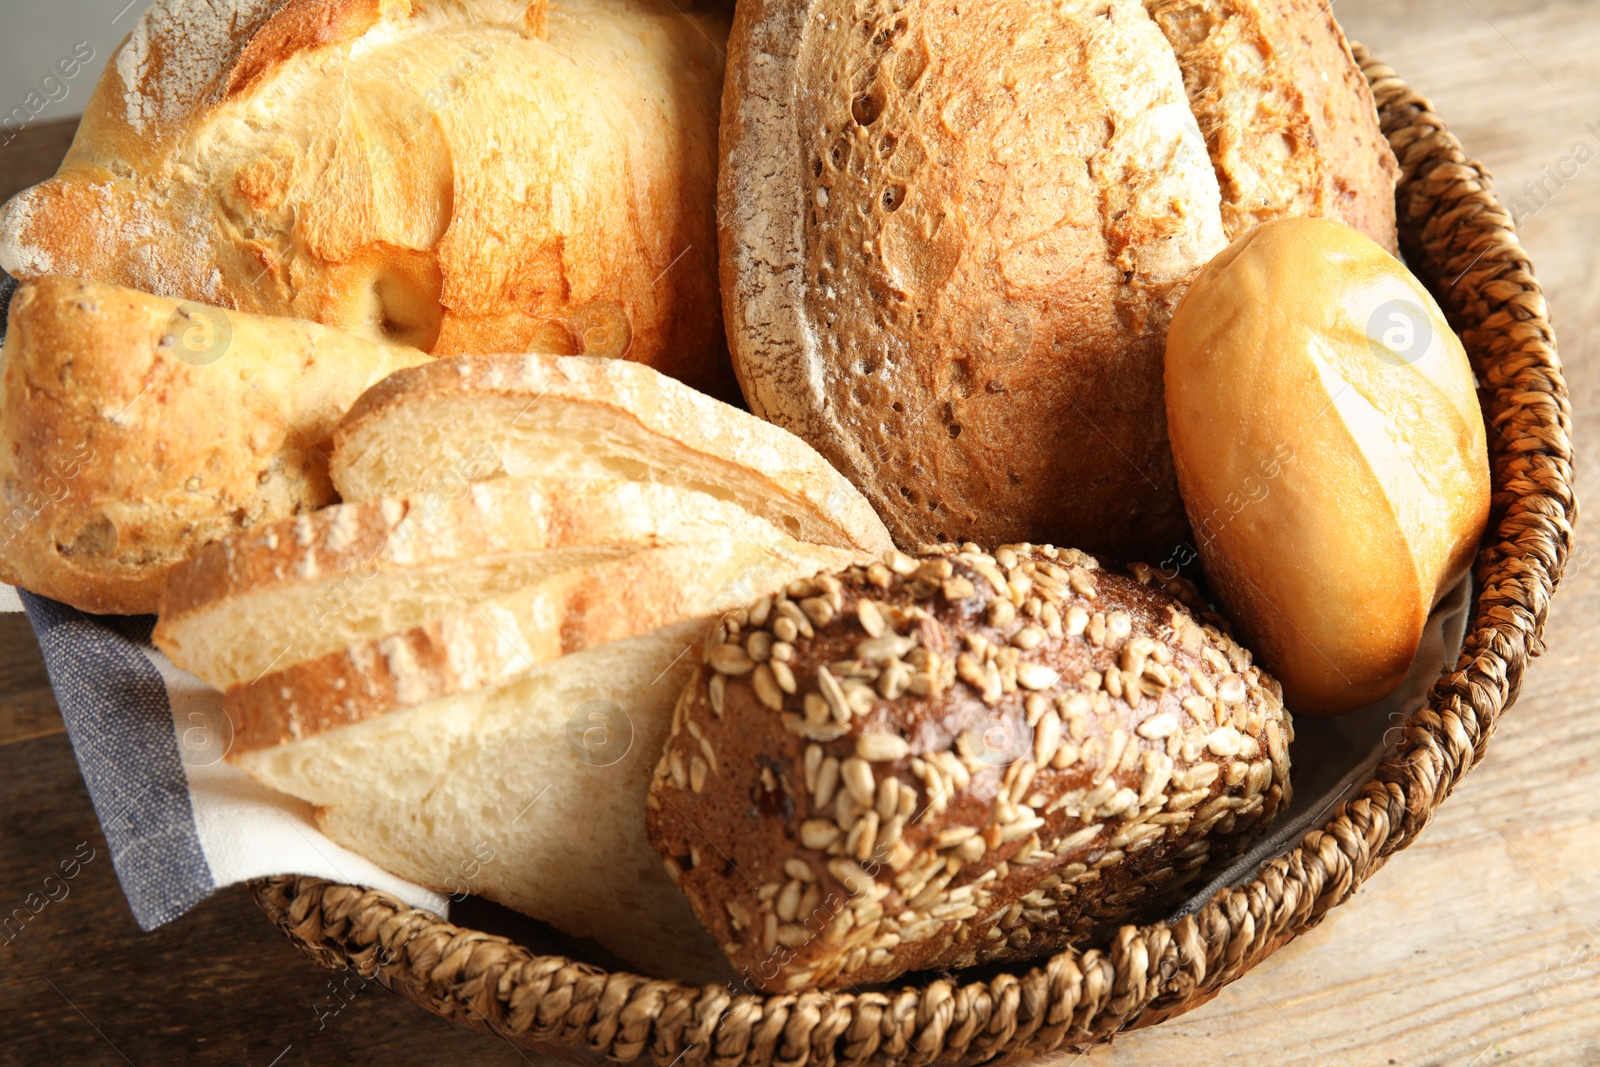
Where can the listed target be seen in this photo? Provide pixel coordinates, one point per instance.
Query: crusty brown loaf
(902, 767)
(135, 430)
(459, 175)
(1291, 130)
(953, 236)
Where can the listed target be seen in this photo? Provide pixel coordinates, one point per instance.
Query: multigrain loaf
(458, 175)
(135, 429)
(299, 588)
(527, 415)
(952, 236)
(963, 757)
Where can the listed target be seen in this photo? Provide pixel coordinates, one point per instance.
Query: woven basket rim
(1460, 242)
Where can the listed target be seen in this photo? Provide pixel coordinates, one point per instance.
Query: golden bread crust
(126, 444)
(460, 177)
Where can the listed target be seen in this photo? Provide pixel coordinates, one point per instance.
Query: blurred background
(38, 35)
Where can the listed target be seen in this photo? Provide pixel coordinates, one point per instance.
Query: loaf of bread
(1330, 446)
(135, 429)
(489, 656)
(520, 416)
(963, 757)
(462, 176)
(953, 235)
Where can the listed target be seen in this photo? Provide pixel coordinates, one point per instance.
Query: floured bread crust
(953, 237)
(467, 176)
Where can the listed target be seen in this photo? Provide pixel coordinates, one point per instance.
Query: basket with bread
(837, 493)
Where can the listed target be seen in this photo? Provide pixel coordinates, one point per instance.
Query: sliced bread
(534, 414)
(477, 645)
(422, 750)
(296, 589)
(531, 794)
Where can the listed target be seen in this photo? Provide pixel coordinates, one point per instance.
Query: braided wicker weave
(1459, 241)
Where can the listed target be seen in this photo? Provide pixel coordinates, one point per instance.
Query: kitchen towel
(179, 820)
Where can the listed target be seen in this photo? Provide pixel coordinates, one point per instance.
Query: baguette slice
(472, 734)
(300, 588)
(486, 644)
(535, 414)
(135, 429)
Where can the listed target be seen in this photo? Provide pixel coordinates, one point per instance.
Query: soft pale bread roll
(534, 414)
(135, 429)
(953, 235)
(458, 175)
(1331, 450)
(299, 588)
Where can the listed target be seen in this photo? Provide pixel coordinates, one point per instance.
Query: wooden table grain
(1477, 946)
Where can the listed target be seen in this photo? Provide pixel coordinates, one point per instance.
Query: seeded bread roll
(963, 758)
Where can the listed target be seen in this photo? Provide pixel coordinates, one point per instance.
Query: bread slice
(494, 792)
(534, 414)
(483, 644)
(299, 588)
(135, 429)
(474, 732)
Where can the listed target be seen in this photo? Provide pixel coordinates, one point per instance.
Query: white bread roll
(1330, 449)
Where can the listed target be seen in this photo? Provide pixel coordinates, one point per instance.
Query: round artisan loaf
(965, 757)
(953, 235)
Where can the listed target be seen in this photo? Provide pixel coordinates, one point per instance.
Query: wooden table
(1479, 945)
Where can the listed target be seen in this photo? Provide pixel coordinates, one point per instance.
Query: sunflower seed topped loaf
(941, 761)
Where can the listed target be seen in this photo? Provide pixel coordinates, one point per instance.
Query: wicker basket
(1460, 243)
